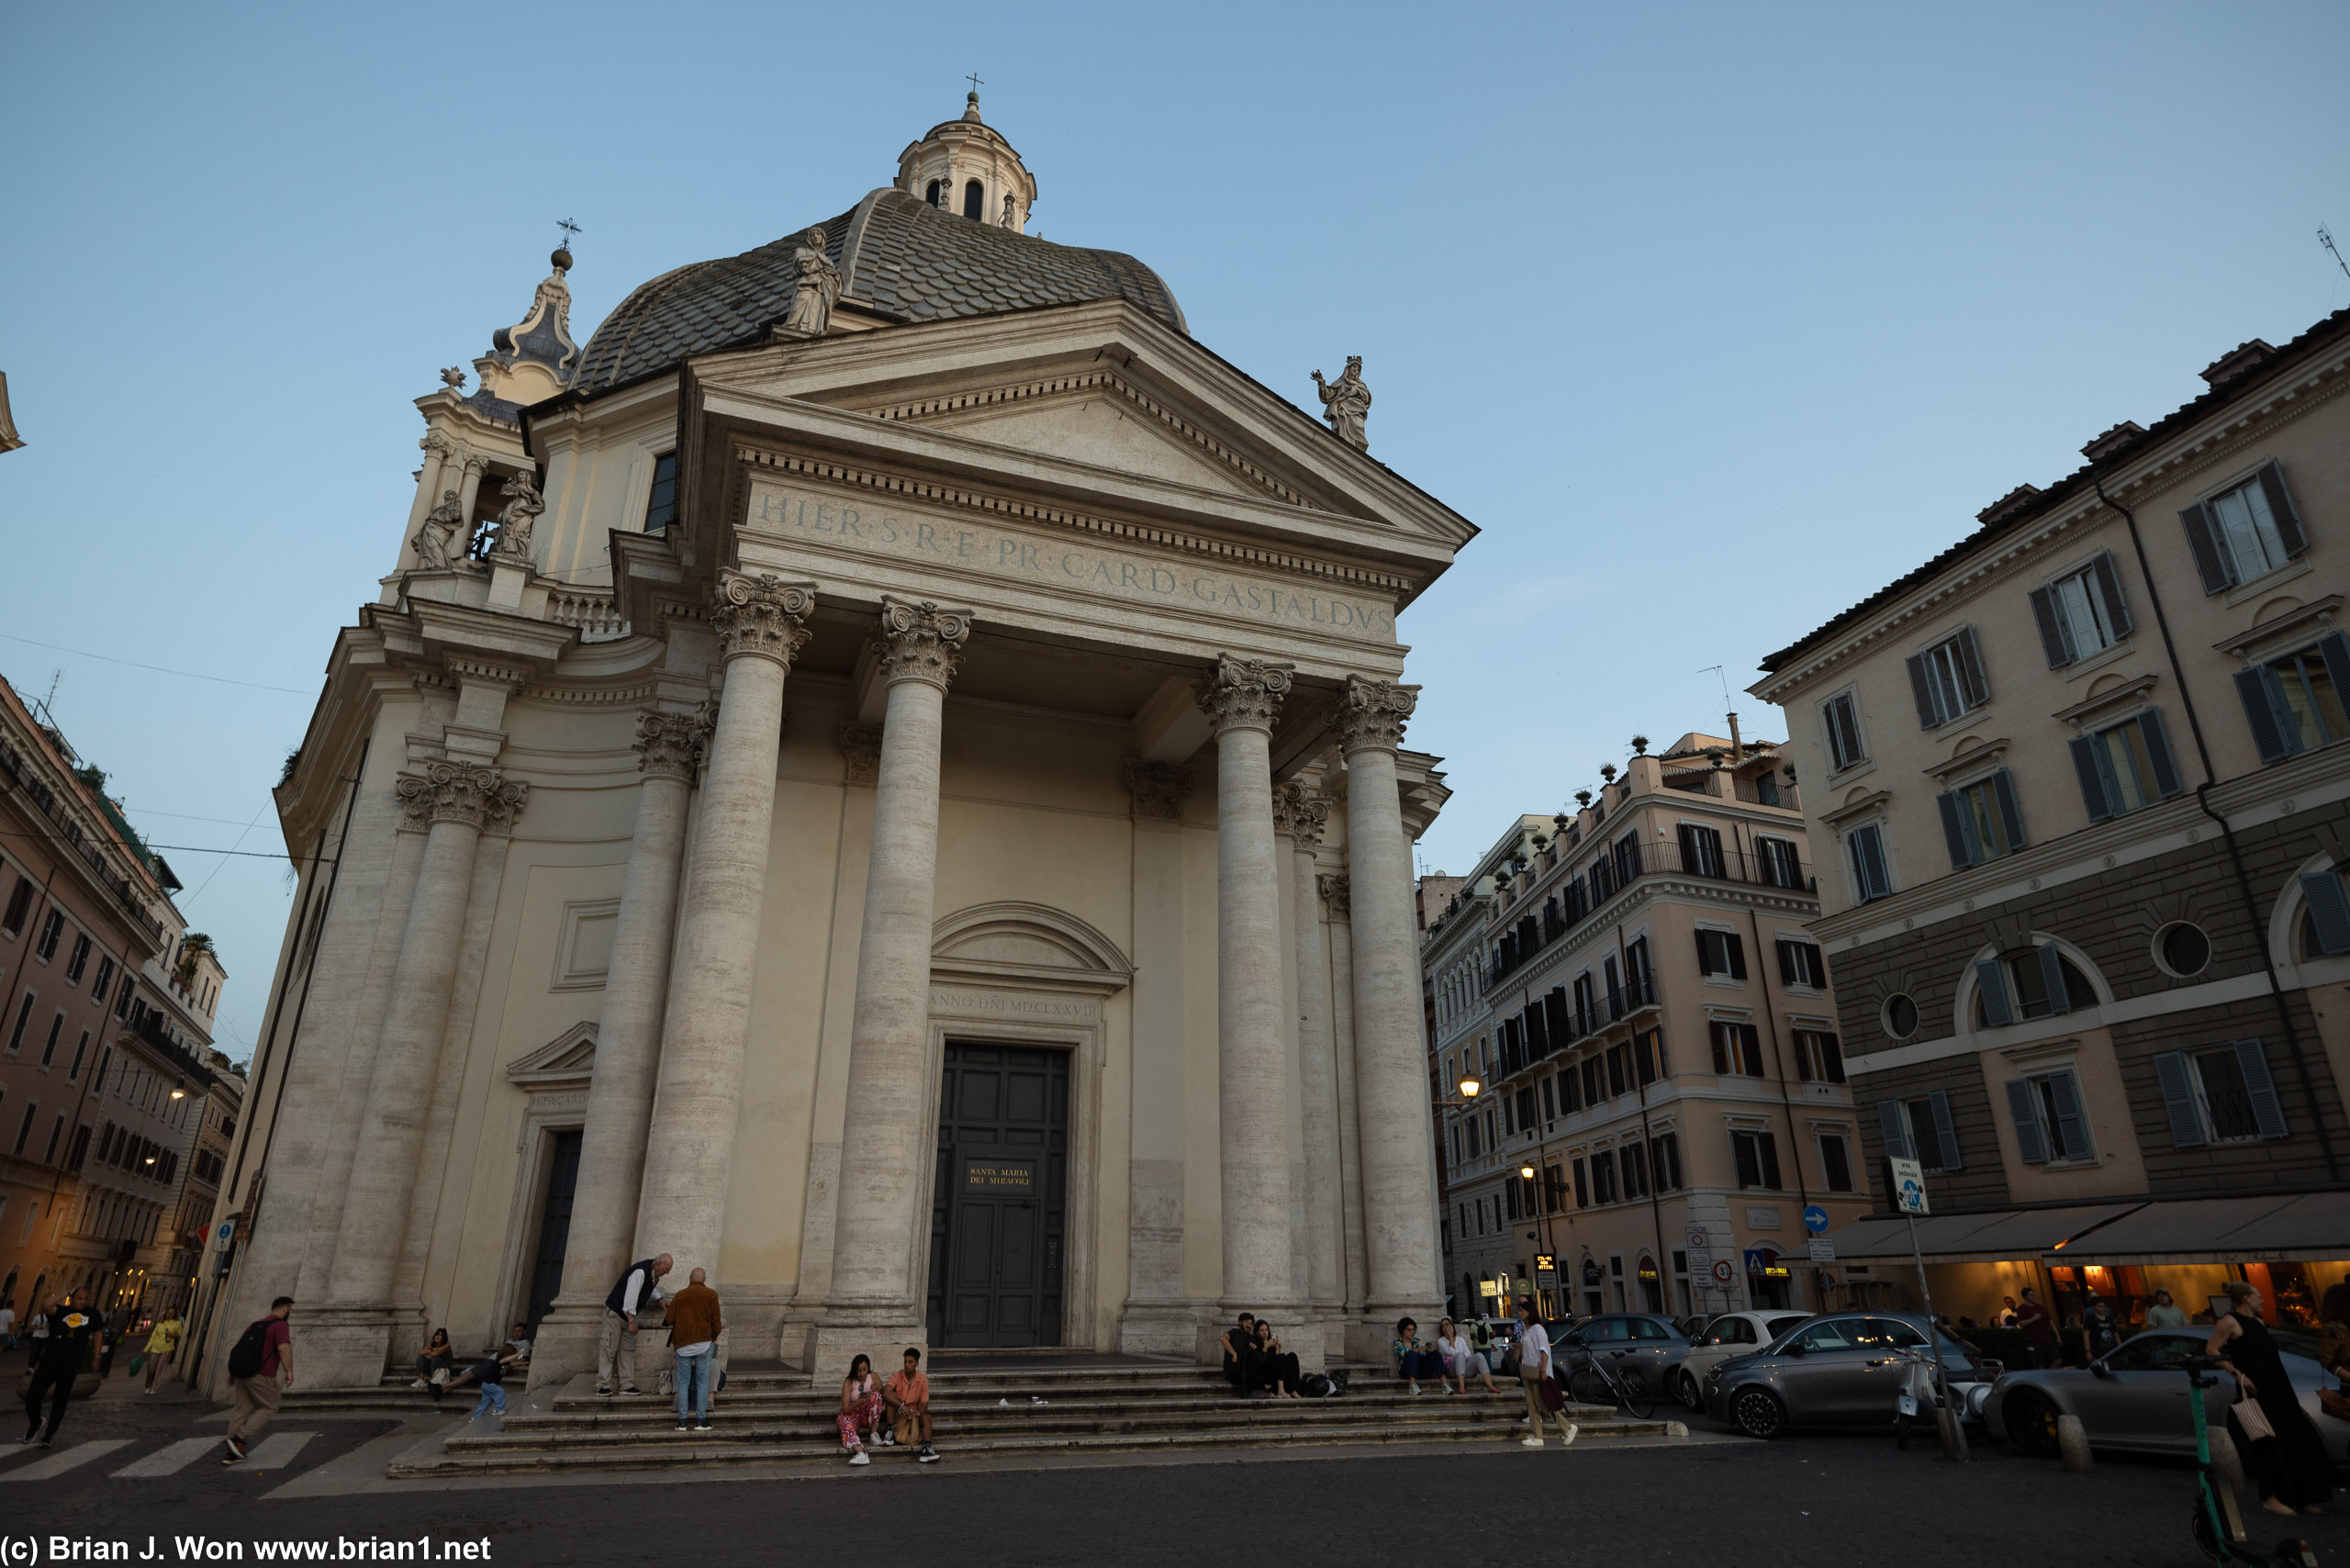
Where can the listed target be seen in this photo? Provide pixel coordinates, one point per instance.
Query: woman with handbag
(2282, 1452)
(1543, 1403)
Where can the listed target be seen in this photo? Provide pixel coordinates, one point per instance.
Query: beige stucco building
(901, 805)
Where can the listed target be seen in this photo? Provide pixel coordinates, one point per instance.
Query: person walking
(261, 1368)
(36, 1333)
(1533, 1367)
(2290, 1462)
(2164, 1313)
(694, 1326)
(163, 1344)
(2039, 1329)
(907, 1393)
(64, 1355)
(635, 1292)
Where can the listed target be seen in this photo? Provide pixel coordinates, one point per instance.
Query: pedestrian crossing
(275, 1451)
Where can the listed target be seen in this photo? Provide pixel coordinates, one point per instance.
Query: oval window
(2182, 949)
(1901, 1017)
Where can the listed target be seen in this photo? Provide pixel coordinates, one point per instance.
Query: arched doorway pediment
(1027, 944)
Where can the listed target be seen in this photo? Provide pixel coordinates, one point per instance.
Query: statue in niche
(1345, 403)
(438, 535)
(512, 540)
(819, 286)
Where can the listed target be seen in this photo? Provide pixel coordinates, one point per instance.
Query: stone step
(701, 1451)
(607, 1415)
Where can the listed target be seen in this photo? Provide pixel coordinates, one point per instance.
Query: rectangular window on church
(661, 507)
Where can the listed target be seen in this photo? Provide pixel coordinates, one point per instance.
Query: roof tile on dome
(898, 255)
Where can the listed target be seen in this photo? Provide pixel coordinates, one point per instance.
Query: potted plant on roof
(1640, 745)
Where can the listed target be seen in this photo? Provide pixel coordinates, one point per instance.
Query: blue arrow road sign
(1815, 1219)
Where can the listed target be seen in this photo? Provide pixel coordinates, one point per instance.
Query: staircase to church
(1115, 1404)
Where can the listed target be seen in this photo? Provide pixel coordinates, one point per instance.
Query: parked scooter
(2219, 1526)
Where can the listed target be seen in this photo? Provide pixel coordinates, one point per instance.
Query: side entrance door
(1000, 1198)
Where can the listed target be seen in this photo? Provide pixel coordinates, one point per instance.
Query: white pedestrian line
(276, 1452)
(58, 1463)
(172, 1460)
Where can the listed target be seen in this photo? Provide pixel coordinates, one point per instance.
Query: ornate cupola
(535, 358)
(966, 167)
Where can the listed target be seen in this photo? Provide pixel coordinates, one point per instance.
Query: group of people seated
(1452, 1360)
(1255, 1362)
(436, 1361)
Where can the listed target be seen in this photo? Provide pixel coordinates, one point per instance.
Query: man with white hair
(638, 1288)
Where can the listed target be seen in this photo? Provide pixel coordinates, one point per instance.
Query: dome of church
(902, 256)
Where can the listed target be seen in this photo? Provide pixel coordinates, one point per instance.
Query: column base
(350, 1344)
(567, 1341)
(1302, 1335)
(1371, 1338)
(1161, 1327)
(832, 1346)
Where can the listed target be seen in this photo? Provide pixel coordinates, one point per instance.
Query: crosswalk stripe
(170, 1461)
(58, 1463)
(277, 1452)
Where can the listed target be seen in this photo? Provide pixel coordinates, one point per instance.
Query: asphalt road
(1806, 1500)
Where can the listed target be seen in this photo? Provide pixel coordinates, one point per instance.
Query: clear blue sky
(1713, 319)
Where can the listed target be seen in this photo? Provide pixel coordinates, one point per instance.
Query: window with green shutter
(1981, 821)
(2295, 704)
(2246, 532)
(2081, 613)
(1947, 679)
(2126, 766)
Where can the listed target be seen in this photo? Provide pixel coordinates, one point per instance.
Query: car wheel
(1691, 1396)
(1758, 1412)
(2029, 1417)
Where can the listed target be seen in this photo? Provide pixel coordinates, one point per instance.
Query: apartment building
(2084, 810)
(1653, 1036)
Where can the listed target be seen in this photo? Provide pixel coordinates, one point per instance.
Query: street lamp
(1549, 1246)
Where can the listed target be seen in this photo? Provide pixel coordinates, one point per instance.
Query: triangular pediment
(566, 1061)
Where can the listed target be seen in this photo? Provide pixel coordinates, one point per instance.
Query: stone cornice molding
(1337, 890)
(468, 792)
(1965, 761)
(1372, 714)
(2282, 633)
(1244, 694)
(919, 642)
(1301, 814)
(1028, 945)
(1854, 811)
(861, 751)
(2084, 714)
(1158, 789)
(761, 616)
(668, 746)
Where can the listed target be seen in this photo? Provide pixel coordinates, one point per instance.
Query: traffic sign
(1815, 1219)
(1822, 1249)
(1699, 1240)
(1723, 1272)
(1908, 1181)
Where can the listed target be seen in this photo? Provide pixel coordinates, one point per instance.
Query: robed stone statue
(819, 286)
(1345, 403)
(511, 542)
(438, 535)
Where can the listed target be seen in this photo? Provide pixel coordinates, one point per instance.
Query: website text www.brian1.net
(26, 1550)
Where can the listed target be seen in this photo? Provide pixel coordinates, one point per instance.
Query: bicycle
(2218, 1526)
(1592, 1384)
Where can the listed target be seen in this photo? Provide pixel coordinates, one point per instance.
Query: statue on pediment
(819, 286)
(1346, 404)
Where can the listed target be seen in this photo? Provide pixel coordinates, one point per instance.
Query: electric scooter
(2219, 1526)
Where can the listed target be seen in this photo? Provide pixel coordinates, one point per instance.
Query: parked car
(1726, 1335)
(2134, 1396)
(1840, 1370)
(1653, 1346)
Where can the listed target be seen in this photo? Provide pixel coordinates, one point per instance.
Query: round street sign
(1723, 1272)
(1815, 1219)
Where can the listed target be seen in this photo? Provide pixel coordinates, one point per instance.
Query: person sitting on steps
(861, 1408)
(432, 1363)
(1461, 1358)
(1414, 1358)
(908, 1394)
(1276, 1368)
(1240, 1355)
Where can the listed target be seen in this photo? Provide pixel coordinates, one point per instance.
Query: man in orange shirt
(908, 1393)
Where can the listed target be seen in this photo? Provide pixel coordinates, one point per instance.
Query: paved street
(1805, 1501)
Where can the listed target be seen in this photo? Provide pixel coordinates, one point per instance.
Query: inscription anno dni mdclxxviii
(1053, 565)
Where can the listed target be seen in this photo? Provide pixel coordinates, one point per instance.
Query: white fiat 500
(1731, 1333)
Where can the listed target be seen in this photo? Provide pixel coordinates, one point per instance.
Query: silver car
(2134, 1396)
(1841, 1369)
(1722, 1337)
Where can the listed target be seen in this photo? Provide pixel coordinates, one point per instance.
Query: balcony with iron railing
(1589, 894)
(71, 834)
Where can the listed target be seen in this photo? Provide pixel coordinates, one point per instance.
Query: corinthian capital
(1157, 789)
(1337, 889)
(1244, 694)
(761, 616)
(1301, 813)
(463, 792)
(669, 744)
(919, 642)
(1372, 714)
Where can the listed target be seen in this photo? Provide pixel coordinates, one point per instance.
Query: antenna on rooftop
(2326, 240)
(1736, 747)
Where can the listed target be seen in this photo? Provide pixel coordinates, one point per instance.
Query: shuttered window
(2082, 613)
(1835, 1162)
(2030, 982)
(1921, 1129)
(1800, 964)
(2126, 766)
(1870, 878)
(2246, 532)
(1757, 1158)
(1701, 851)
(2295, 704)
(1777, 860)
(2329, 913)
(1720, 955)
(1818, 1059)
(1981, 821)
(1738, 1049)
(1603, 1178)
(1840, 718)
(2220, 1094)
(1947, 679)
(1664, 1160)
(2051, 1125)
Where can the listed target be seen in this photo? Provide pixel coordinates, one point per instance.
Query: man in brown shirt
(694, 1326)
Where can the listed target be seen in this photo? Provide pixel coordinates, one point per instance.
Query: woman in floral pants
(860, 1406)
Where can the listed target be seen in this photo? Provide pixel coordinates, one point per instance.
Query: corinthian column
(357, 1322)
(1305, 815)
(883, 1137)
(1241, 699)
(690, 1154)
(1391, 1083)
(627, 1038)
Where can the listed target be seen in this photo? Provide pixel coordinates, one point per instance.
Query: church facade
(881, 776)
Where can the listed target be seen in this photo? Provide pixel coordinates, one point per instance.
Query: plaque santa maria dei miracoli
(882, 775)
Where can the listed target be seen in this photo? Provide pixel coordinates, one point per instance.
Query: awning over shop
(1986, 1236)
(2305, 1225)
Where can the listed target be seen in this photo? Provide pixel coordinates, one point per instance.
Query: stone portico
(905, 807)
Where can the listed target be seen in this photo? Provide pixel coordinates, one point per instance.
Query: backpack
(245, 1356)
(1337, 1381)
(1313, 1386)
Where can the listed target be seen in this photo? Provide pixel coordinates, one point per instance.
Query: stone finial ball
(561, 258)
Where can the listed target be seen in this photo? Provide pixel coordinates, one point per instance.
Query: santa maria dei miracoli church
(882, 775)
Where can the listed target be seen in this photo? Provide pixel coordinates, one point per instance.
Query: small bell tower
(966, 168)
